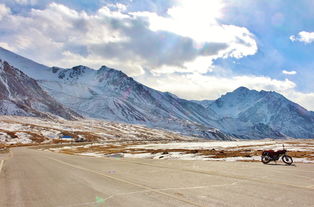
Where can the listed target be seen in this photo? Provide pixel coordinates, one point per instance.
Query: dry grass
(249, 146)
(3, 148)
(107, 149)
(110, 149)
(59, 141)
(39, 138)
(89, 136)
(226, 153)
(92, 131)
(119, 137)
(124, 148)
(302, 154)
(36, 138)
(9, 133)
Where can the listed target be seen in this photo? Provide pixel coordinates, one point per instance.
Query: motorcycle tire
(287, 159)
(265, 159)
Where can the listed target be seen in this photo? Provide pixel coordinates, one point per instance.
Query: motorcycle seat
(271, 151)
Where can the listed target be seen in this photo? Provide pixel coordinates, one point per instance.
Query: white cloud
(65, 37)
(188, 40)
(306, 37)
(204, 87)
(132, 68)
(7, 46)
(199, 21)
(286, 72)
(4, 11)
(26, 2)
(200, 87)
(111, 34)
(118, 6)
(304, 99)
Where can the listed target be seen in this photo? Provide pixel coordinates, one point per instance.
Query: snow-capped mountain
(247, 112)
(32, 69)
(204, 103)
(111, 95)
(21, 95)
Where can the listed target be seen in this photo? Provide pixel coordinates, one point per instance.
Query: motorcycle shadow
(281, 164)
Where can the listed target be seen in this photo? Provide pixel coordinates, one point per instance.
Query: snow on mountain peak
(110, 94)
(241, 89)
(104, 67)
(21, 95)
(233, 103)
(247, 110)
(31, 68)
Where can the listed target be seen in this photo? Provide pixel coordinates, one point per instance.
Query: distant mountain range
(109, 94)
(248, 113)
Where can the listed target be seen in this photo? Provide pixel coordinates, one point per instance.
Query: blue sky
(273, 22)
(196, 49)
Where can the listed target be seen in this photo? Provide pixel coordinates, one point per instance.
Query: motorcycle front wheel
(266, 159)
(287, 159)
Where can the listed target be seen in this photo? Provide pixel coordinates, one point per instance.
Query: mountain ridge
(251, 108)
(21, 95)
(110, 94)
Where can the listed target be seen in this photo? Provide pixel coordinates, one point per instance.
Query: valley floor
(21, 131)
(36, 178)
(110, 139)
(246, 151)
(40, 168)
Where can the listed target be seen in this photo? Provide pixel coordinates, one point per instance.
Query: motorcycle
(271, 155)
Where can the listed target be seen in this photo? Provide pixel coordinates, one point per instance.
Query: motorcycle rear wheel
(287, 159)
(265, 159)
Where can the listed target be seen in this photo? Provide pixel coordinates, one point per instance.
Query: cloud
(211, 87)
(200, 87)
(202, 26)
(289, 72)
(24, 2)
(4, 11)
(306, 37)
(304, 99)
(169, 50)
(113, 36)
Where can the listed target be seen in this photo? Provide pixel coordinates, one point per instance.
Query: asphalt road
(37, 179)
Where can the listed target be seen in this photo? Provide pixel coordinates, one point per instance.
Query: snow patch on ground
(53, 134)
(202, 145)
(189, 150)
(22, 138)
(92, 154)
(304, 160)
(13, 127)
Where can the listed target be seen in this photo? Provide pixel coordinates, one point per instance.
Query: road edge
(1, 165)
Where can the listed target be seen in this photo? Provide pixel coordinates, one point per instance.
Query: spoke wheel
(266, 159)
(287, 159)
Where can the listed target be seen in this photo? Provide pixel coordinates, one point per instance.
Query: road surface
(36, 178)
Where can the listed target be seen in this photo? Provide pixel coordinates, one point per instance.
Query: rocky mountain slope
(21, 95)
(111, 95)
(246, 112)
(26, 130)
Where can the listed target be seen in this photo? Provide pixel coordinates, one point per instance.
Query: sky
(196, 49)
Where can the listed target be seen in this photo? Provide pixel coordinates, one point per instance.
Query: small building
(66, 138)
